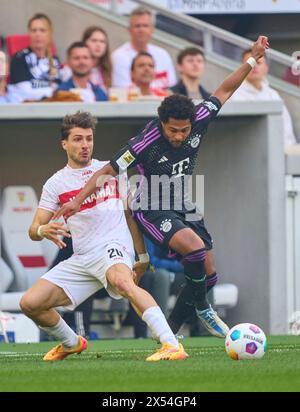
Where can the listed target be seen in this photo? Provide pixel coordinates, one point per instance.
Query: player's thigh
(44, 295)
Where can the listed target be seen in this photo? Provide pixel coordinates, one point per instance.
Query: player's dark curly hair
(80, 119)
(178, 107)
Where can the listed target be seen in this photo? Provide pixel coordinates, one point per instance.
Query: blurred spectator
(256, 88)
(142, 75)
(95, 38)
(5, 96)
(191, 67)
(97, 41)
(141, 28)
(81, 64)
(34, 71)
(165, 272)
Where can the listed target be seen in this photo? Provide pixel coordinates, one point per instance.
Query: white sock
(62, 332)
(158, 325)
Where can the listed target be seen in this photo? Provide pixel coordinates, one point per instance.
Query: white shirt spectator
(122, 57)
(247, 92)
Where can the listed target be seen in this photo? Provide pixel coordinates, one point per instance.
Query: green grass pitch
(119, 366)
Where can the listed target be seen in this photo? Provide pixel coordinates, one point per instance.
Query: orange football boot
(60, 352)
(168, 352)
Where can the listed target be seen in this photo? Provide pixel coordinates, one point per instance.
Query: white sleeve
(49, 198)
(121, 70)
(172, 79)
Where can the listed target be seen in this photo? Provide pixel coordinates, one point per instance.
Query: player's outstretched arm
(93, 184)
(41, 228)
(233, 82)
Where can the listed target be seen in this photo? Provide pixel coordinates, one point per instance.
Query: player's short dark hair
(189, 51)
(140, 54)
(76, 45)
(80, 119)
(178, 107)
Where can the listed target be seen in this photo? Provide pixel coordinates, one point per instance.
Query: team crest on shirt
(195, 141)
(125, 160)
(210, 106)
(166, 225)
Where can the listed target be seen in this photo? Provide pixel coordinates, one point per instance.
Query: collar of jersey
(82, 168)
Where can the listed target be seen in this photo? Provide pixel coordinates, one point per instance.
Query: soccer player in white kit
(103, 250)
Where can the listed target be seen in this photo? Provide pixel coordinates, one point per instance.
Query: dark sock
(199, 292)
(182, 310)
(194, 271)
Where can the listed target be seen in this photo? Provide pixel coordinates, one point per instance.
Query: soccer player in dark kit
(168, 146)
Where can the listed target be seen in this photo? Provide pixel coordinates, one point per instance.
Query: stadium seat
(6, 276)
(17, 42)
(25, 257)
(225, 295)
(9, 301)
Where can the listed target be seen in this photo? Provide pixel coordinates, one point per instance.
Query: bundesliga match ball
(245, 341)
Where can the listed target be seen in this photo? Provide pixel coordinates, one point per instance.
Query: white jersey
(101, 219)
(122, 57)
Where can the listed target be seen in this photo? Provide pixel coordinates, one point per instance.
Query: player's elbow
(32, 233)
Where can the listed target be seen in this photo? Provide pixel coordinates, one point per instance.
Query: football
(245, 341)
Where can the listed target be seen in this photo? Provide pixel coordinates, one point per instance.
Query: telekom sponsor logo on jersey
(109, 191)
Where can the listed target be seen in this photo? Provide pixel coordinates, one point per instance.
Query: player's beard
(176, 145)
(80, 162)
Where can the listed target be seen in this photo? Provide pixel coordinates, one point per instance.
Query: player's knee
(125, 287)
(28, 305)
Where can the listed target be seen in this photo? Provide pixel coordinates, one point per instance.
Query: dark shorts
(160, 226)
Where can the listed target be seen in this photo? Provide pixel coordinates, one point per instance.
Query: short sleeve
(135, 150)
(49, 199)
(207, 110)
(124, 159)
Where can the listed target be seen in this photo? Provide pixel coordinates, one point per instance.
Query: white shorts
(81, 276)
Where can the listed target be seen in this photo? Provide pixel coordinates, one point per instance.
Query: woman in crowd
(35, 71)
(97, 41)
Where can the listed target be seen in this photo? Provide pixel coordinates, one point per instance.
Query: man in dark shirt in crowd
(191, 67)
(81, 63)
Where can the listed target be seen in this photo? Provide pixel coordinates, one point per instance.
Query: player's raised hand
(53, 232)
(260, 46)
(67, 210)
